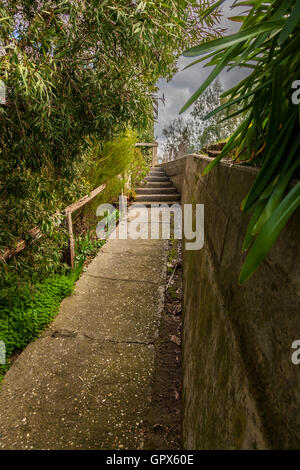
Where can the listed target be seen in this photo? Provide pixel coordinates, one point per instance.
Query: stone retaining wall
(240, 388)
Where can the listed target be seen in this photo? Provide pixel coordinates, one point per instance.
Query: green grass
(28, 314)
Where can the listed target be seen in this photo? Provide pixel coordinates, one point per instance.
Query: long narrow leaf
(270, 233)
(290, 24)
(279, 188)
(228, 147)
(216, 71)
(256, 213)
(228, 41)
(270, 165)
(236, 100)
(210, 9)
(275, 115)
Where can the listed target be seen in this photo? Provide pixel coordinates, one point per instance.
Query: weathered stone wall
(175, 170)
(240, 390)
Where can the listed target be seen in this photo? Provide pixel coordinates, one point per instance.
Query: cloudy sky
(184, 83)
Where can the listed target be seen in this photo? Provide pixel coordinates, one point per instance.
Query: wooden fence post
(154, 155)
(71, 238)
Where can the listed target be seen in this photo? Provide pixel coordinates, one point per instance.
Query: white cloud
(178, 90)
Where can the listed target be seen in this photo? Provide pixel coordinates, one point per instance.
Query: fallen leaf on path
(171, 265)
(175, 340)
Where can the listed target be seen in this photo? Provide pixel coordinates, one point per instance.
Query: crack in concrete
(64, 333)
(142, 343)
(135, 255)
(123, 280)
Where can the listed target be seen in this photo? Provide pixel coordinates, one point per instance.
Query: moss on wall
(240, 390)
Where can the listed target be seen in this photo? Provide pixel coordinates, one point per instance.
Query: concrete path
(86, 382)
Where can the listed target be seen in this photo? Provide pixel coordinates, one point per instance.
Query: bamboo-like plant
(268, 44)
(76, 72)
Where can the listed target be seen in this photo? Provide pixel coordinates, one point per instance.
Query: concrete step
(156, 173)
(157, 197)
(157, 169)
(162, 190)
(157, 179)
(149, 203)
(155, 184)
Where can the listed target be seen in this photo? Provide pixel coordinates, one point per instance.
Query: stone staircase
(157, 187)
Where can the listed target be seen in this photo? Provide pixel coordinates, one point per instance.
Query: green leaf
(210, 9)
(199, 60)
(290, 24)
(228, 41)
(270, 232)
(275, 115)
(270, 164)
(209, 79)
(249, 235)
(279, 188)
(228, 147)
(237, 100)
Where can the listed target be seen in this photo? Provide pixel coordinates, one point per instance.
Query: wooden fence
(35, 233)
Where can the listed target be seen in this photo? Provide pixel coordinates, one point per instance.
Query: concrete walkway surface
(86, 382)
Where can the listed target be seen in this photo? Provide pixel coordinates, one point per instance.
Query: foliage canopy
(267, 44)
(77, 72)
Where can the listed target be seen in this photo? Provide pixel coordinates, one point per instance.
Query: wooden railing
(154, 146)
(68, 212)
(35, 233)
